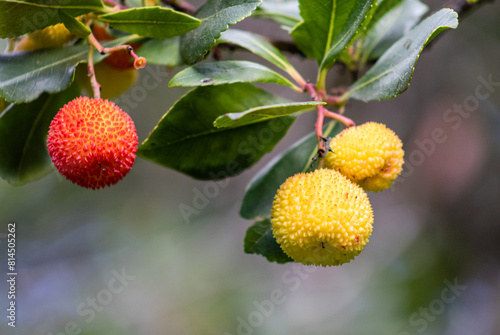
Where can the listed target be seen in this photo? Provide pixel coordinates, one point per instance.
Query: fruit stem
(338, 116)
(96, 88)
(139, 62)
(322, 112)
(330, 99)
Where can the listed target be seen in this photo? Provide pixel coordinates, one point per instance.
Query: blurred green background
(124, 261)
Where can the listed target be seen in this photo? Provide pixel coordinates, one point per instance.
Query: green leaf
(390, 27)
(259, 240)
(216, 16)
(76, 27)
(382, 7)
(186, 140)
(18, 17)
(227, 72)
(23, 134)
(330, 25)
(378, 10)
(26, 75)
(303, 41)
(285, 13)
(162, 52)
(256, 45)
(392, 73)
(345, 32)
(261, 190)
(263, 113)
(153, 22)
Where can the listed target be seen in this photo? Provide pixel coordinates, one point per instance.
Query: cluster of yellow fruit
(324, 217)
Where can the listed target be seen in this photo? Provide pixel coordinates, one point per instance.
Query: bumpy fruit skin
(92, 142)
(321, 218)
(370, 155)
(51, 37)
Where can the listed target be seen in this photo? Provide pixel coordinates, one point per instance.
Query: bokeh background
(124, 261)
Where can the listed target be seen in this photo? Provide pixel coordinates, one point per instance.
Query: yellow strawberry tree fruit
(370, 155)
(51, 37)
(321, 218)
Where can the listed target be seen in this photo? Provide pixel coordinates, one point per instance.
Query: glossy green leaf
(162, 52)
(186, 140)
(382, 7)
(18, 17)
(155, 22)
(215, 16)
(303, 40)
(374, 14)
(26, 75)
(344, 33)
(330, 25)
(23, 133)
(76, 27)
(263, 113)
(286, 13)
(259, 240)
(261, 190)
(366, 20)
(227, 72)
(390, 27)
(257, 46)
(392, 73)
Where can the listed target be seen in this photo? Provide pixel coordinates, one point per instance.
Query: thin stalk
(139, 62)
(96, 88)
(322, 112)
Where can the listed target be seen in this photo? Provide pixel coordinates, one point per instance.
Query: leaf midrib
(59, 62)
(331, 28)
(202, 134)
(254, 66)
(53, 6)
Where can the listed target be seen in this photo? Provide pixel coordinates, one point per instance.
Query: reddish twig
(329, 99)
(322, 112)
(139, 62)
(96, 88)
